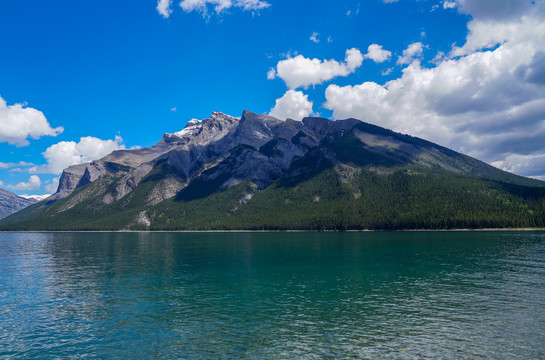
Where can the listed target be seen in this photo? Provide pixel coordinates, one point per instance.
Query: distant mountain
(11, 203)
(36, 197)
(258, 172)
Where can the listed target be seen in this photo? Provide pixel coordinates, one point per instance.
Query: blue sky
(79, 79)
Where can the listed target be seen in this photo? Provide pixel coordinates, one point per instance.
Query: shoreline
(273, 231)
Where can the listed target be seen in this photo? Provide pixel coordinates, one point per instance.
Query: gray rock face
(220, 151)
(127, 189)
(11, 203)
(254, 147)
(76, 176)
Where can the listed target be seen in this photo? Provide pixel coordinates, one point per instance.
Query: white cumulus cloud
(486, 34)
(66, 153)
(412, 52)
(221, 5)
(271, 74)
(376, 53)
(300, 71)
(488, 100)
(386, 71)
(164, 7)
(527, 165)
(314, 37)
(251, 5)
(293, 104)
(33, 183)
(495, 9)
(51, 187)
(18, 123)
(10, 165)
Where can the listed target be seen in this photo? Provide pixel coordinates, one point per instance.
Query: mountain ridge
(11, 203)
(255, 156)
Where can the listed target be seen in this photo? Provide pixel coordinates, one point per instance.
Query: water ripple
(281, 296)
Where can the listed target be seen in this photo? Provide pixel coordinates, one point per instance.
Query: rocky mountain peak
(192, 128)
(199, 143)
(315, 164)
(248, 116)
(219, 116)
(317, 124)
(325, 127)
(199, 132)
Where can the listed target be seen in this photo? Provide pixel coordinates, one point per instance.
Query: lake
(393, 295)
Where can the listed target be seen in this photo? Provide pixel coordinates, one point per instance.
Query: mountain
(11, 203)
(258, 172)
(36, 197)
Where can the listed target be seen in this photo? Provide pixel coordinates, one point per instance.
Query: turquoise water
(273, 295)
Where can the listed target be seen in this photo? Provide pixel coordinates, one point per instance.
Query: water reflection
(281, 295)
